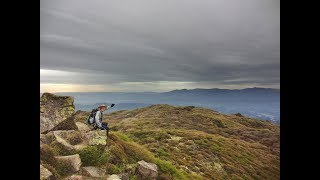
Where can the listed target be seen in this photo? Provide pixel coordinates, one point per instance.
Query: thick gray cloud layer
(208, 41)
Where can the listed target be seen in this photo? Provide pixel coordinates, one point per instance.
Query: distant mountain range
(261, 103)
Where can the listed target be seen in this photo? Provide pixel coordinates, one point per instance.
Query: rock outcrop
(82, 127)
(45, 173)
(92, 171)
(43, 139)
(97, 137)
(147, 170)
(72, 162)
(67, 124)
(60, 137)
(54, 109)
(74, 177)
(124, 176)
(113, 177)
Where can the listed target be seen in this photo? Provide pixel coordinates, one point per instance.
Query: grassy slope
(198, 141)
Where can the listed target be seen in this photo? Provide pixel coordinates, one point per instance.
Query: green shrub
(162, 135)
(93, 156)
(167, 167)
(117, 154)
(113, 169)
(127, 151)
(162, 152)
(122, 136)
(103, 158)
(137, 152)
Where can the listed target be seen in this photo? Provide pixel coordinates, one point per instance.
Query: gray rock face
(92, 171)
(73, 162)
(54, 109)
(45, 173)
(147, 170)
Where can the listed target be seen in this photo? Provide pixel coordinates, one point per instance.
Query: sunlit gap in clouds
(65, 81)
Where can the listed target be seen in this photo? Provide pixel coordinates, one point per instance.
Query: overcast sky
(158, 45)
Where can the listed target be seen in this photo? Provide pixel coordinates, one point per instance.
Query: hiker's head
(102, 107)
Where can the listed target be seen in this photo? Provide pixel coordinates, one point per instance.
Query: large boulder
(97, 137)
(113, 177)
(54, 109)
(45, 173)
(72, 162)
(68, 141)
(74, 177)
(67, 124)
(60, 138)
(47, 155)
(71, 136)
(82, 127)
(147, 170)
(92, 171)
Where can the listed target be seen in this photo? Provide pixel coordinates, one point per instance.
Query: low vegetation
(184, 142)
(202, 142)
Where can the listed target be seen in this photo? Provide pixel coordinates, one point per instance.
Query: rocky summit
(54, 109)
(155, 142)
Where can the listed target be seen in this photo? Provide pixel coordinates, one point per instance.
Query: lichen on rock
(97, 137)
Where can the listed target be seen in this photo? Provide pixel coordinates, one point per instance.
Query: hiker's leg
(105, 126)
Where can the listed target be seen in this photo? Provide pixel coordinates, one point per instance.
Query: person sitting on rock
(98, 118)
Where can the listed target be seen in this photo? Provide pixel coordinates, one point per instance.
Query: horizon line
(157, 91)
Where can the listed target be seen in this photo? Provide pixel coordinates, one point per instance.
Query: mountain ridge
(255, 88)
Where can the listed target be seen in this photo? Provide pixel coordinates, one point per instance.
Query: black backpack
(92, 116)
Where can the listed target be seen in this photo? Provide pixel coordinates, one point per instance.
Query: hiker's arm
(97, 118)
(108, 107)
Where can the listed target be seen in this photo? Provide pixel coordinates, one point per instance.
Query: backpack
(91, 118)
